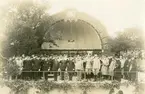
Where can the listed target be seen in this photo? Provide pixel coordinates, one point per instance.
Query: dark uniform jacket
(63, 65)
(127, 65)
(55, 65)
(134, 66)
(70, 65)
(36, 64)
(51, 61)
(110, 61)
(117, 70)
(27, 65)
(45, 65)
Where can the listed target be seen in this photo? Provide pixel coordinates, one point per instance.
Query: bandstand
(74, 32)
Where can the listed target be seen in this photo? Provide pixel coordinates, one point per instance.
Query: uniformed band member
(36, 67)
(132, 70)
(62, 66)
(117, 70)
(70, 67)
(45, 66)
(126, 67)
(110, 68)
(55, 67)
(27, 66)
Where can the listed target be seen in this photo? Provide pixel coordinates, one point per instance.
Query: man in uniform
(55, 67)
(27, 66)
(70, 67)
(45, 66)
(36, 68)
(126, 67)
(19, 62)
(133, 69)
(117, 70)
(63, 65)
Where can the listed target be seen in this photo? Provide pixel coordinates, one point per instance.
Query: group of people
(82, 66)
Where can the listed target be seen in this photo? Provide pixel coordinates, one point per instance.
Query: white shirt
(79, 65)
(112, 65)
(122, 62)
(105, 61)
(19, 62)
(96, 63)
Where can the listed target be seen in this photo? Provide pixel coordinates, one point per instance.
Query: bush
(11, 69)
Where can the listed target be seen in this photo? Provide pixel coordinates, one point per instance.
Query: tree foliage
(129, 39)
(27, 23)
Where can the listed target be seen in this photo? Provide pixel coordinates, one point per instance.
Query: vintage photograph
(72, 47)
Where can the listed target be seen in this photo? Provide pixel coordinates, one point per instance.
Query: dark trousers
(26, 75)
(36, 75)
(84, 75)
(117, 75)
(117, 78)
(106, 77)
(55, 76)
(45, 75)
(70, 74)
(132, 76)
(126, 75)
(95, 77)
(62, 74)
(88, 76)
(20, 76)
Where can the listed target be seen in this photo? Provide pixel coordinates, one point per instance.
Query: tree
(27, 23)
(129, 39)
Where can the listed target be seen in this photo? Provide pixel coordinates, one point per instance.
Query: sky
(115, 15)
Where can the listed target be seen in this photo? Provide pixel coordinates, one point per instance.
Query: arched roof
(77, 31)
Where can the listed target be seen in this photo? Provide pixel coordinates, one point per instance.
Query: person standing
(110, 61)
(133, 70)
(104, 70)
(122, 60)
(70, 67)
(117, 71)
(96, 66)
(84, 69)
(50, 60)
(111, 68)
(63, 65)
(79, 67)
(27, 68)
(45, 66)
(19, 62)
(89, 67)
(36, 67)
(126, 68)
(55, 67)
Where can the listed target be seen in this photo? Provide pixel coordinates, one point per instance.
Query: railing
(65, 75)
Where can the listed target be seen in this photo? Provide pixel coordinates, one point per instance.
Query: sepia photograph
(72, 46)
